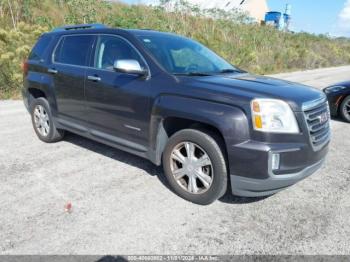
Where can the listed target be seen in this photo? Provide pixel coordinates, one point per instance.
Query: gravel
(122, 205)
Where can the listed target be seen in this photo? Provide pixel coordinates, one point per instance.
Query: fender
(39, 79)
(231, 121)
(48, 88)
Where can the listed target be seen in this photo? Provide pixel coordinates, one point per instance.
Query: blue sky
(320, 17)
(315, 16)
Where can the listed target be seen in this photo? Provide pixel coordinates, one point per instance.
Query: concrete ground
(121, 204)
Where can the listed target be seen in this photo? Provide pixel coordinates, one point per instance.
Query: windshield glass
(180, 55)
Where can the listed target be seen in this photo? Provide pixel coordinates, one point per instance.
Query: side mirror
(129, 66)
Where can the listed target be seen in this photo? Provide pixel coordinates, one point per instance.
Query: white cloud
(342, 27)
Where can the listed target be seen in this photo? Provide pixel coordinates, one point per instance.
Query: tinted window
(40, 47)
(74, 50)
(112, 48)
(179, 55)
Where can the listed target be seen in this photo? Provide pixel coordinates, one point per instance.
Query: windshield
(182, 56)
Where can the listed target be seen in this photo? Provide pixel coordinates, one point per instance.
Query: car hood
(248, 86)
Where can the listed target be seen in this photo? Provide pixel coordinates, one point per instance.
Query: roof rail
(76, 27)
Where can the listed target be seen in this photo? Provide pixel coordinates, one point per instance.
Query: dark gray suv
(174, 102)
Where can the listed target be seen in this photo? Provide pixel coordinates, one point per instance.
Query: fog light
(275, 161)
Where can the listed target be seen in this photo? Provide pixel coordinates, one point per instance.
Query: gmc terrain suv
(174, 102)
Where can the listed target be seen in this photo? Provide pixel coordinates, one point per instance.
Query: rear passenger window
(40, 48)
(74, 50)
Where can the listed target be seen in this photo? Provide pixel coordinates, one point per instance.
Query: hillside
(249, 46)
(254, 8)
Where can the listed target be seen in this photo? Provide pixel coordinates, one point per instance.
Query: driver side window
(112, 48)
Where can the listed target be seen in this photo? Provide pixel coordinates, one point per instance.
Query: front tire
(195, 166)
(345, 109)
(43, 123)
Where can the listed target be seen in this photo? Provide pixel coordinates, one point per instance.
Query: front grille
(318, 123)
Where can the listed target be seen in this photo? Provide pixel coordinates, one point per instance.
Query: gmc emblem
(323, 118)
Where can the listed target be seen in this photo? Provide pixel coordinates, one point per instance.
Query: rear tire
(43, 123)
(345, 109)
(195, 166)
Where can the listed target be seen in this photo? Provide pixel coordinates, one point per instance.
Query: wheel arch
(34, 93)
(171, 114)
(340, 100)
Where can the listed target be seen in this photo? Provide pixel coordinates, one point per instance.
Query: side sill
(118, 140)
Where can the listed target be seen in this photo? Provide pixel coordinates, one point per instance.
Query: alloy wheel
(346, 109)
(191, 167)
(41, 120)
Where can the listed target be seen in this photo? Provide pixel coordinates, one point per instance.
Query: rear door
(68, 69)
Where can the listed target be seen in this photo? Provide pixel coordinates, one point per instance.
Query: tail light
(25, 67)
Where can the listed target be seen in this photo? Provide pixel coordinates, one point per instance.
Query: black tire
(211, 146)
(54, 134)
(344, 109)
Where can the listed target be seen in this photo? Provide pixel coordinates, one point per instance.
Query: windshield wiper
(193, 74)
(230, 70)
(224, 71)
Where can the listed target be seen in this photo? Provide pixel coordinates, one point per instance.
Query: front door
(118, 103)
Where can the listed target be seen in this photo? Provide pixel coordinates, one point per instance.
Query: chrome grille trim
(319, 131)
(315, 103)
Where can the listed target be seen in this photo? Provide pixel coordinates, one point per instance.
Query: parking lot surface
(121, 203)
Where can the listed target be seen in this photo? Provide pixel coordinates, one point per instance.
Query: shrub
(14, 48)
(259, 49)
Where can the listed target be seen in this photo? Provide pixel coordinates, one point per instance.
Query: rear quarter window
(73, 50)
(39, 50)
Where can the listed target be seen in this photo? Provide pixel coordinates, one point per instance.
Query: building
(254, 8)
(278, 19)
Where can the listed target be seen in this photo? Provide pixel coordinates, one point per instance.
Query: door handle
(52, 71)
(94, 78)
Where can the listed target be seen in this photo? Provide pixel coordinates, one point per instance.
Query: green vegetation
(259, 49)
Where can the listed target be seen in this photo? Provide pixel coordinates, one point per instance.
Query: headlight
(274, 116)
(334, 89)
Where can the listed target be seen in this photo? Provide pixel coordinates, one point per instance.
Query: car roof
(86, 31)
(149, 32)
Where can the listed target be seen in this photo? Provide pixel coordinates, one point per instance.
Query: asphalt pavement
(120, 203)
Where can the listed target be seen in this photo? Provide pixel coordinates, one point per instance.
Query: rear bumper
(250, 187)
(25, 97)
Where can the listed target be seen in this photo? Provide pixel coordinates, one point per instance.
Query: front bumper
(252, 174)
(250, 187)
